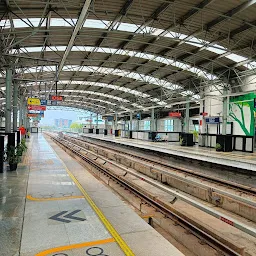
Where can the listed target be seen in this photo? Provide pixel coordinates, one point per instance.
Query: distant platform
(246, 161)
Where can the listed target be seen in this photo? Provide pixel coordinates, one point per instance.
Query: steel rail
(201, 234)
(229, 184)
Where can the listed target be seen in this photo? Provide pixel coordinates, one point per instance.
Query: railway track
(235, 186)
(220, 246)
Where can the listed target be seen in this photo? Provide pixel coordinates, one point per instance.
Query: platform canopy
(125, 55)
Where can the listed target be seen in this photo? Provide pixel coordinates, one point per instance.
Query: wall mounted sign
(56, 98)
(212, 120)
(34, 101)
(203, 114)
(35, 107)
(174, 114)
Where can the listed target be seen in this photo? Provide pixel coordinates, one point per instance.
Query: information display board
(34, 101)
(212, 120)
(56, 98)
(35, 107)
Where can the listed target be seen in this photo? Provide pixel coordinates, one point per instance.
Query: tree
(76, 126)
(243, 102)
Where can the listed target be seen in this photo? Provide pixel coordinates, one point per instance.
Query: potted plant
(182, 143)
(13, 158)
(20, 149)
(218, 147)
(23, 144)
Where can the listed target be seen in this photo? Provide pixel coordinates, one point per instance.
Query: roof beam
(230, 13)
(79, 24)
(118, 18)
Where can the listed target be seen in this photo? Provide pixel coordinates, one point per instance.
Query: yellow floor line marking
(52, 198)
(75, 246)
(122, 244)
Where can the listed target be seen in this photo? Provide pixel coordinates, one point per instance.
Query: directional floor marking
(52, 198)
(67, 216)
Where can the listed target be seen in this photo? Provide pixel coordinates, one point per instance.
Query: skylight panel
(174, 35)
(126, 27)
(147, 56)
(31, 49)
(236, 58)
(57, 22)
(195, 41)
(215, 48)
(90, 23)
(157, 32)
(250, 65)
(5, 23)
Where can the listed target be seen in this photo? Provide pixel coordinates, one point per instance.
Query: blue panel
(43, 102)
(212, 120)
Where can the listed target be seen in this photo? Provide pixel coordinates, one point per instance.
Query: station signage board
(35, 112)
(212, 120)
(43, 102)
(35, 107)
(174, 114)
(35, 115)
(56, 98)
(34, 101)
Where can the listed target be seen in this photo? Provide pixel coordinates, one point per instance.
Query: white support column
(225, 112)
(187, 116)
(130, 123)
(152, 123)
(8, 100)
(106, 123)
(202, 124)
(21, 110)
(116, 121)
(97, 120)
(90, 121)
(15, 107)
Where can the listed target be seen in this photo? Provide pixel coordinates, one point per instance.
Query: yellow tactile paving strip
(125, 248)
(116, 237)
(52, 198)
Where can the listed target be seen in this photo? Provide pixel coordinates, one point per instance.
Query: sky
(64, 113)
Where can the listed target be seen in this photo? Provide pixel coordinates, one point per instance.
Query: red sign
(204, 114)
(35, 107)
(56, 97)
(175, 114)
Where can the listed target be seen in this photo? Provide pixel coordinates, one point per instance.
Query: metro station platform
(237, 159)
(52, 206)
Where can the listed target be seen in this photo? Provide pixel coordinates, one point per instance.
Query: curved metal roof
(126, 55)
